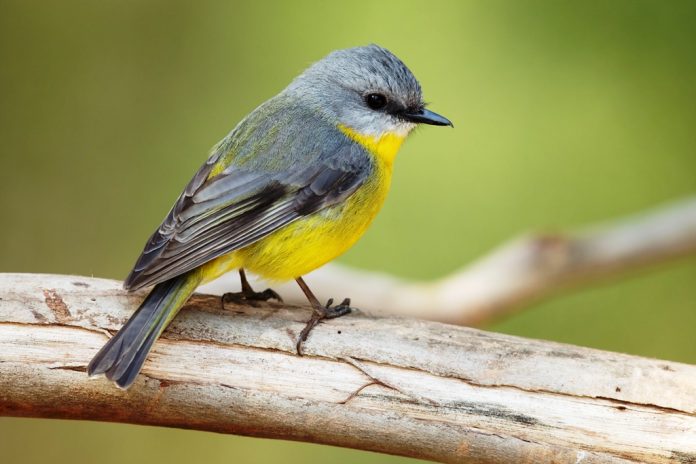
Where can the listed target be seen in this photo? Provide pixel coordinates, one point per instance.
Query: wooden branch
(398, 386)
(518, 273)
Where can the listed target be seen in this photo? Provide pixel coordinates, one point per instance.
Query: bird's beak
(424, 116)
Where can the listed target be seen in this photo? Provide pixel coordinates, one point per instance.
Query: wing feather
(245, 202)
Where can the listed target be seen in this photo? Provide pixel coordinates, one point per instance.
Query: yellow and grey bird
(293, 186)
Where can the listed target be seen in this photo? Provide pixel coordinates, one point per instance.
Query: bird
(294, 185)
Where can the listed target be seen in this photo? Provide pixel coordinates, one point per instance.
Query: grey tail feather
(122, 357)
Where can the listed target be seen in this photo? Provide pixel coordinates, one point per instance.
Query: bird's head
(366, 90)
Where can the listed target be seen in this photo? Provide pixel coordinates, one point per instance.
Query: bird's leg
(248, 294)
(320, 312)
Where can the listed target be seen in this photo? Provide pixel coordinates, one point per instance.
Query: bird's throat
(384, 146)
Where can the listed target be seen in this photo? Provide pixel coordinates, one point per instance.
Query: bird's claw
(331, 312)
(320, 313)
(250, 297)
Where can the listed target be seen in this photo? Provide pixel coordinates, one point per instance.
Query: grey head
(367, 89)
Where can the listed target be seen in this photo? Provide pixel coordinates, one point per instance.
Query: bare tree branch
(399, 386)
(516, 274)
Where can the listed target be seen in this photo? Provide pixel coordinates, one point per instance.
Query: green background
(566, 113)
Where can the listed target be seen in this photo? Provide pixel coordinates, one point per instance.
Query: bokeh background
(566, 113)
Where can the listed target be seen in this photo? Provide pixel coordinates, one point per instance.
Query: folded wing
(218, 214)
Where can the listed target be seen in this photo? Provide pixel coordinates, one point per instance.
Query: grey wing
(216, 216)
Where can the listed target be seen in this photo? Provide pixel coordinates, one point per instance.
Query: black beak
(424, 116)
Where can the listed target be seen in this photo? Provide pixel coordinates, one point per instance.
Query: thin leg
(246, 288)
(320, 312)
(308, 293)
(248, 294)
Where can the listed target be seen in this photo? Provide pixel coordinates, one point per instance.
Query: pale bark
(518, 273)
(399, 386)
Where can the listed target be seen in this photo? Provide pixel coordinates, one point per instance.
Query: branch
(398, 386)
(518, 273)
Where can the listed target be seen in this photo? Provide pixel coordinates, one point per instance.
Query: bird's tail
(124, 354)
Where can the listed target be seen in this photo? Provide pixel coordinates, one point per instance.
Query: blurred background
(566, 113)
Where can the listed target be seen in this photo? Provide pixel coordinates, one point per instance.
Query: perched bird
(293, 186)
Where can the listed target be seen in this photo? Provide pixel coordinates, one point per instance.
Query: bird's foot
(321, 313)
(250, 297)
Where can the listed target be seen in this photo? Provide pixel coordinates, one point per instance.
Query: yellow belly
(311, 242)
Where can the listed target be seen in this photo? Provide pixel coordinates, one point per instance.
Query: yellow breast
(384, 148)
(311, 242)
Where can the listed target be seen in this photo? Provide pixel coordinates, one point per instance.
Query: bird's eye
(376, 101)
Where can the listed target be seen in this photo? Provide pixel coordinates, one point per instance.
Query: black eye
(376, 101)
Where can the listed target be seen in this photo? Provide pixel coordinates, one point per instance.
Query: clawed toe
(331, 312)
(320, 313)
(268, 294)
(250, 297)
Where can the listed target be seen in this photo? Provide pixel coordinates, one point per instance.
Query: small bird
(293, 186)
